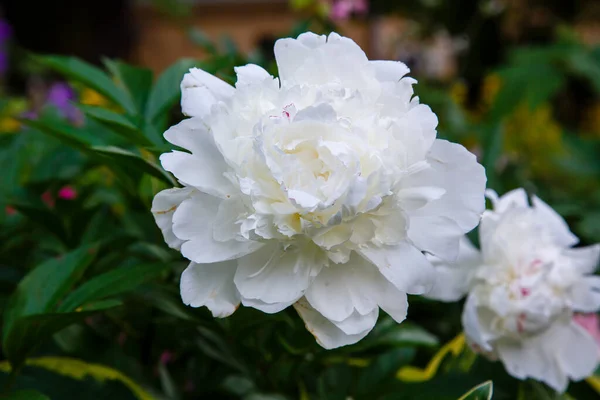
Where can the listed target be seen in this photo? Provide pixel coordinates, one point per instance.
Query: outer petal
(250, 74)
(211, 285)
(463, 201)
(164, 205)
(583, 259)
(200, 90)
(354, 289)
(555, 223)
(277, 275)
(475, 330)
(195, 222)
(327, 334)
(585, 294)
(269, 308)
(453, 281)
(437, 235)
(389, 71)
(403, 265)
(205, 168)
(514, 198)
(575, 349)
(356, 323)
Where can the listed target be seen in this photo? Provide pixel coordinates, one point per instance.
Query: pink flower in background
(343, 9)
(10, 210)
(67, 193)
(166, 357)
(589, 322)
(48, 199)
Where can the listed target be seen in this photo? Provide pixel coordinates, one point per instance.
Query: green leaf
(389, 333)
(383, 368)
(493, 144)
(42, 288)
(480, 392)
(129, 160)
(27, 395)
(166, 91)
(115, 282)
(64, 132)
(74, 68)
(27, 333)
(44, 217)
(118, 123)
(136, 81)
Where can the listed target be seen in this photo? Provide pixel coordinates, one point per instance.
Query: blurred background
(515, 81)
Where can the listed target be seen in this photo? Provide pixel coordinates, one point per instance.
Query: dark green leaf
(91, 76)
(381, 369)
(118, 123)
(166, 90)
(129, 160)
(389, 333)
(27, 395)
(115, 282)
(40, 291)
(133, 80)
(480, 392)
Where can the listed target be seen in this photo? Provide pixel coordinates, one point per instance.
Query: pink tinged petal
(250, 74)
(200, 91)
(585, 294)
(164, 205)
(557, 225)
(195, 222)
(211, 285)
(576, 351)
(530, 359)
(327, 334)
(389, 71)
(583, 259)
(277, 275)
(403, 265)
(591, 323)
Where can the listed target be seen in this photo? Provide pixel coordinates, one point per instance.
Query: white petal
(206, 174)
(453, 281)
(200, 90)
(164, 205)
(583, 259)
(437, 235)
(529, 359)
(389, 70)
(356, 287)
(195, 221)
(327, 334)
(414, 198)
(514, 198)
(357, 323)
(269, 308)
(464, 200)
(193, 135)
(275, 275)
(312, 40)
(575, 349)
(250, 74)
(474, 329)
(585, 294)
(211, 285)
(403, 265)
(290, 55)
(555, 223)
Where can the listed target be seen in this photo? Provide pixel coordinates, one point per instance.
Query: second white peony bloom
(523, 289)
(320, 189)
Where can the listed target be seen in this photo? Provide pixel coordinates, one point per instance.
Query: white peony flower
(320, 189)
(523, 288)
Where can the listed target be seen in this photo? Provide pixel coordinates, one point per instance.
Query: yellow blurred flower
(458, 93)
(8, 125)
(92, 98)
(533, 137)
(490, 88)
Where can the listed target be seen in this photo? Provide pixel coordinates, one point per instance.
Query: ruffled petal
(327, 334)
(200, 91)
(556, 225)
(195, 222)
(164, 205)
(211, 285)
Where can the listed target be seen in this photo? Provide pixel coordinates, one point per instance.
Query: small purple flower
(60, 96)
(5, 31)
